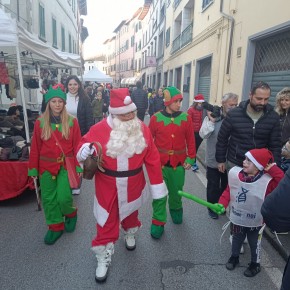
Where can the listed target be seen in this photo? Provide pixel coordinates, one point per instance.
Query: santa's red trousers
(110, 231)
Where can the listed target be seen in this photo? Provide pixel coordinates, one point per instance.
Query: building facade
(53, 26)
(214, 46)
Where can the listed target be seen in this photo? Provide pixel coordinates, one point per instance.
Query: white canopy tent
(13, 36)
(95, 75)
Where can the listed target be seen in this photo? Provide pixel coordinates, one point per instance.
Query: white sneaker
(76, 191)
(242, 250)
(130, 241)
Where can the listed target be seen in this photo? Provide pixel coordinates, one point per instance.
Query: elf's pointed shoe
(176, 215)
(70, 223)
(51, 237)
(156, 231)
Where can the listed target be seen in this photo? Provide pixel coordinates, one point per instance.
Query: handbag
(207, 128)
(73, 177)
(93, 163)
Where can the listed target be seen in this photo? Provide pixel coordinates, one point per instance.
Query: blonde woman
(282, 108)
(56, 134)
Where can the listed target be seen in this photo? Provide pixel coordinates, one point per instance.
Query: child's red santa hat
(120, 102)
(260, 157)
(199, 98)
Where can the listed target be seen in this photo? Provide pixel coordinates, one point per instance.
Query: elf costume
(174, 139)
(47, 161)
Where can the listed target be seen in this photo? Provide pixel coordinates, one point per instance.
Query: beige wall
(211, 33)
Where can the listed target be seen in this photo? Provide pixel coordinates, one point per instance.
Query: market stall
(14, 179)
(22, 51)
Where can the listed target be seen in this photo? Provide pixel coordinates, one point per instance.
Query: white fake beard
(126, 138)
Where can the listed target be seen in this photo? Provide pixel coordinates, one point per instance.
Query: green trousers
(174, 180)
(56, 196)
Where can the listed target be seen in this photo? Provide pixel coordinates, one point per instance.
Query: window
(69, 43)
(132, 40)
(41, 22)
(167, 37)
(62, 39)
(206, 3)
(54, 33)
(73, 5)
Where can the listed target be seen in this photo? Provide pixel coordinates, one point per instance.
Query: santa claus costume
(47, 160)
(121, 189)
(172, 131)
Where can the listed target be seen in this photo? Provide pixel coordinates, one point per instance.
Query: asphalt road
(188, 256)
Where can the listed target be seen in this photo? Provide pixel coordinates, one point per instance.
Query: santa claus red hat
(260, 157)
(120, 102)
(199, 98)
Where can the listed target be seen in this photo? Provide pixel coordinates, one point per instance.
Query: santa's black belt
(127, 173)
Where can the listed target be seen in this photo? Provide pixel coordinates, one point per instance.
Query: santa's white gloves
(84, 152)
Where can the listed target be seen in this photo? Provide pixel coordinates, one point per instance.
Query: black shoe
(232, 263)
(212, 214)
(253, 269)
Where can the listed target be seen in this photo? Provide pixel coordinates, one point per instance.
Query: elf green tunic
(173, 137)
(46, 161)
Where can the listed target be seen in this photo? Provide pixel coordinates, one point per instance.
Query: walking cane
(216, 207)
(37, 193)
(35, 185)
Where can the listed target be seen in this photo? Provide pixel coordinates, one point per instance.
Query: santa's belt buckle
(59, 159)
(170, 152)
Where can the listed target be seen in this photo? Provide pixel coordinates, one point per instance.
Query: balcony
(183, 39)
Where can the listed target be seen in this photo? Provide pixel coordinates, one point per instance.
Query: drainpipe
(232, 20)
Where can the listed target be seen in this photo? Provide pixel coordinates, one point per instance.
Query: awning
(13, 34)
(133, 81)
(129, 81)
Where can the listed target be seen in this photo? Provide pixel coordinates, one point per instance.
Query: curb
(275, 243)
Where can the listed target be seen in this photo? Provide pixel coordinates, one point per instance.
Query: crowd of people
(244, 142)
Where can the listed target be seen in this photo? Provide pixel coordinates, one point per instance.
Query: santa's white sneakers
(242, 250)
(130, 241)
(76, 191)
(103, 255)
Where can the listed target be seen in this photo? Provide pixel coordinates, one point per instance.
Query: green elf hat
(55, 92)
(171, 94)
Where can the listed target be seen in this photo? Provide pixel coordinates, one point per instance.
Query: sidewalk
(284, 249)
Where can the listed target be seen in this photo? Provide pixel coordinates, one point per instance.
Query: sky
(103, 18)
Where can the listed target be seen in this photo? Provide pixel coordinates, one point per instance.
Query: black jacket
(85, 114)
(276, 207)
(276, 213)
(158, 104)
(140, 99)
(238, 134)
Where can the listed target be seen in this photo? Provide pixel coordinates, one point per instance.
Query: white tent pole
(22, 95)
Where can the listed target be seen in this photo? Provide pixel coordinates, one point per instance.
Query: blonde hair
(284, 93)
(64, 117)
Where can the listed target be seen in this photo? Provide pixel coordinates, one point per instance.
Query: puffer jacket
(140, 99)
(238, 134)
(85, 115)
(276, 213)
